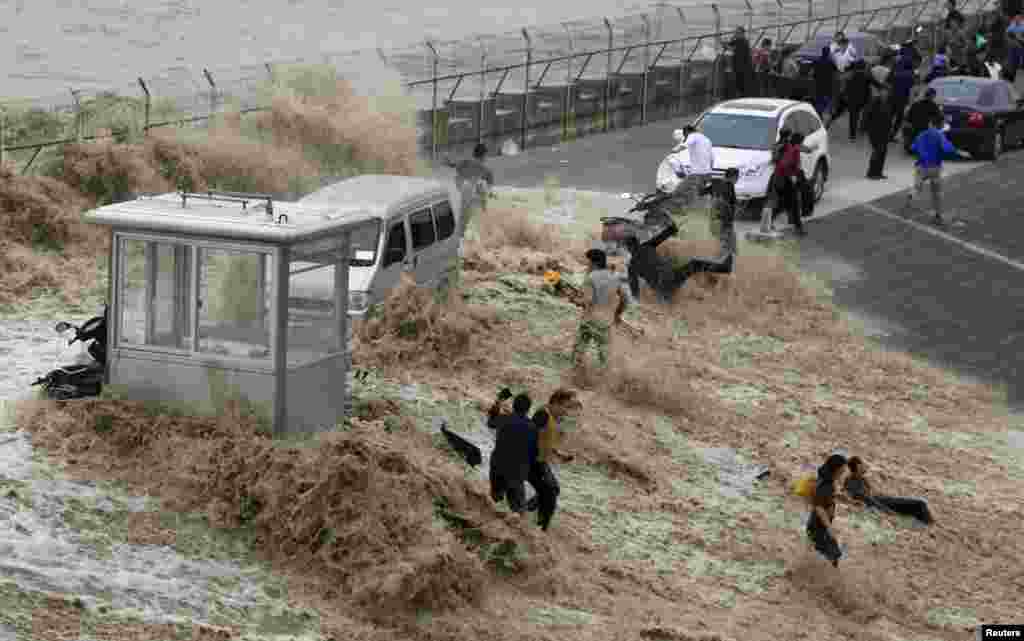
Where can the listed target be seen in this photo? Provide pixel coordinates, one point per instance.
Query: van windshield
(325, 251)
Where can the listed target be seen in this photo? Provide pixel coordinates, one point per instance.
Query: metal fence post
(778, 21)
(146, 106)
(810, 16)
(526, 91)
(213, 96)
(684, 64)
(483, 90)
(608, 77)
(78, 115)
(433, 102)
(716, 66)
(568, 106)
(3, 137)
(647, 69)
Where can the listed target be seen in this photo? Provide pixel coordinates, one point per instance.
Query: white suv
(742, 133)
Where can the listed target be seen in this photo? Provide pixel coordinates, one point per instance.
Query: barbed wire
(191, 90)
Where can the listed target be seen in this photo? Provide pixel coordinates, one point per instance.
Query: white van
(418, 234)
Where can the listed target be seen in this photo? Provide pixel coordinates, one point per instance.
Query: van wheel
(818, 180)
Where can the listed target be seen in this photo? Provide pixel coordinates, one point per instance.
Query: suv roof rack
(229, 196)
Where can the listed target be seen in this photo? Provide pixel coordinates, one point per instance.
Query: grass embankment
(389, 536)
(317, 127)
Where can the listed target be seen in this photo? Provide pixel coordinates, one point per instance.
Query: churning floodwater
(50, 47)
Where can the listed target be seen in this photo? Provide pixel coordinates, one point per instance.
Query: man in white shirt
(701, 161)
(843, 52)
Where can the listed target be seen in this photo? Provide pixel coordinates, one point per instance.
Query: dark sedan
(983, 116)
(798, 65)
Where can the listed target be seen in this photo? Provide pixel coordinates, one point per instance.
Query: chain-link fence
(532, 86)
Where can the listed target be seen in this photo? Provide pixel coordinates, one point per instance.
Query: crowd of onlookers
(992, 45)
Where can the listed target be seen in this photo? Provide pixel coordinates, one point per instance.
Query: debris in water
(735, 477)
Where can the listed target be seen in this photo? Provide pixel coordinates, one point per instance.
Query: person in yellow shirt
(551, 423)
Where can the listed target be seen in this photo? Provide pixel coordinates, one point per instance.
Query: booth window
(314, 317)
(156, 294)
(235, 294)
(422, 224)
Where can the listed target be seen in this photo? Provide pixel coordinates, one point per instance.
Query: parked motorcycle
(80, 380)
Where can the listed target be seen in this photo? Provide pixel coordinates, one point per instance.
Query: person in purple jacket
(930, 146)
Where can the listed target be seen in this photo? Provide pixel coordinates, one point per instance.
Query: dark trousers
(788, 198)
(545, 484)
(876, 166)
(898, 104)
(824, 543)
(505, 488)
(917, 508)
(855, 111)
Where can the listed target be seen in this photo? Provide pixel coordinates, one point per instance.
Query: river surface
(49, 47)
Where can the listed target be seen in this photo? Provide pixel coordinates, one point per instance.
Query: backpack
(805, 486)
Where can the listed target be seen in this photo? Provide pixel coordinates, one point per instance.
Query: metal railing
(572, 100)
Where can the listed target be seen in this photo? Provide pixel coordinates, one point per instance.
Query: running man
(930, 146)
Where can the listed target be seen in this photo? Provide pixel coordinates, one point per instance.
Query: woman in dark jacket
(824, 81)
(903, 78)
(858, 93)
(858, 487)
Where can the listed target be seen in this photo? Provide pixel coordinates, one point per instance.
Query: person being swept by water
(723, 212)
(823, 508)
(551, 422)
(474, 180)
(514, 448)
(858, 487)
(606, 299)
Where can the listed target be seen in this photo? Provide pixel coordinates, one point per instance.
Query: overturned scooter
(652, 229)
(82, 380)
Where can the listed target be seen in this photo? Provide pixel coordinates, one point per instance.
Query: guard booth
(203, 306)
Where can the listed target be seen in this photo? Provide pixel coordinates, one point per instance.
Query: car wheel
(818, 180)
(753, 209)
(995, 148)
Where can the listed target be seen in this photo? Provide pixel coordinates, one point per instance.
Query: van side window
(395, 250)
(422, 225)
(445, 219)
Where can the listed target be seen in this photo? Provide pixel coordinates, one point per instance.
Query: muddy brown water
(55, 537)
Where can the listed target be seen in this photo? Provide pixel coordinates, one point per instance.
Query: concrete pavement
(627, 161)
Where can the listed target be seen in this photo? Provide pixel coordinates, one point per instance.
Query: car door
(424, 246)
(395, 260)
